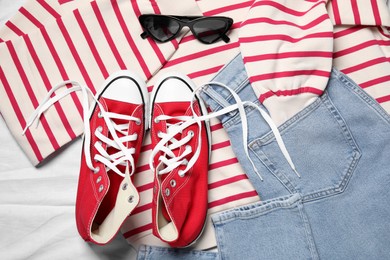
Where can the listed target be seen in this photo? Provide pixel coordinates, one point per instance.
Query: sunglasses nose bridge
(183, 25)
(189, 27)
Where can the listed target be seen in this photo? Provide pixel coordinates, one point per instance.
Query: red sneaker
(112, 143)
(180, 160)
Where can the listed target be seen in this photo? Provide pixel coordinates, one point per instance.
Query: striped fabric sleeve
(359, 12)
(45, 12)
(289, 47)
(362, 44)
(287, 50)
(86, 45)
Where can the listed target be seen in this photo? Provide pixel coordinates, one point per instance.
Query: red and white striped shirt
(288, 47)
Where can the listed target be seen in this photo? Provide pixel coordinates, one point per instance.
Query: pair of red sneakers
(120, 116)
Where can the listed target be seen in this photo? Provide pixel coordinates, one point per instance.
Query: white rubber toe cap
(125, 86)
(173, 87)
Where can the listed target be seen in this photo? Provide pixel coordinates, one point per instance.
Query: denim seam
(149, 253)
(244, 82)
(269, 137)
(220, 217)
(259, 209)
(236, 119)
(352, 160)
(146, 252)
(279, 174)
(239, 83)
(258, 204)
(308, 231)
(221, 100)
(355, 153)
(341, 186)
(270, 208)
(373, 104)
(340, 121)
(219, 238)
(216, 97)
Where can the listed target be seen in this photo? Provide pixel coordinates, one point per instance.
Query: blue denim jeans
(338, 209)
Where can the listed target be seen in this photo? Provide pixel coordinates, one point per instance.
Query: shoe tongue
(174, 108)
(120, 107)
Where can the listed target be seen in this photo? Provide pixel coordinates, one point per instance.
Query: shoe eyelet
(156, 120)
(96, 170)
(99, 129)
(101, 187)
(131, 199)
(138, 122)
(181, 173)
(124, 186)
(173, 183)
(99, 179)
(185, 162)
(191, 133)
(100, 115)
(167, 192)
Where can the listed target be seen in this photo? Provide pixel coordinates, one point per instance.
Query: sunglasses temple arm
(144, 35)
(225, 38)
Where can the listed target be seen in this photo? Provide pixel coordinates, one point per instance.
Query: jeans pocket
(273, 229)
(321, 146)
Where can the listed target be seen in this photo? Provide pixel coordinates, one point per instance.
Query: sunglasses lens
(210, 30)
(161, 28)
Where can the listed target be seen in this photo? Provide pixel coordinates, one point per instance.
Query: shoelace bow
(166, 148)
(111, 161)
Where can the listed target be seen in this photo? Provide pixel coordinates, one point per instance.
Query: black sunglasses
(207, 29)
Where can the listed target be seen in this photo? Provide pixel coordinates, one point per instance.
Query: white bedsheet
(37, 204)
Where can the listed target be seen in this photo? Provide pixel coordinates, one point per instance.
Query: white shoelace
(166, 138)
(169, 159)
(111, 161)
